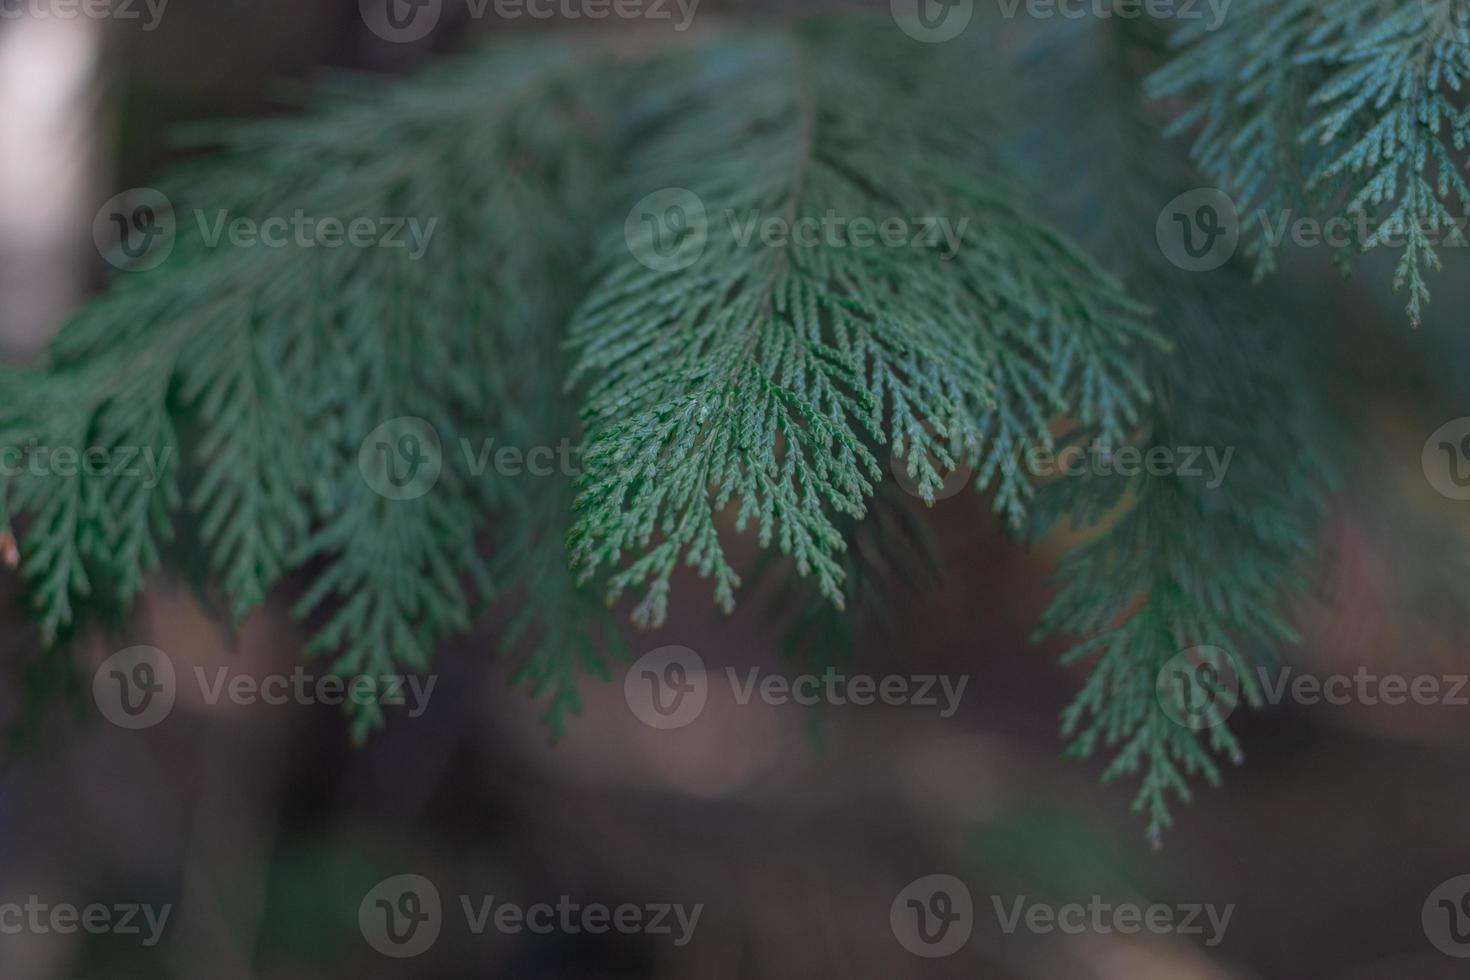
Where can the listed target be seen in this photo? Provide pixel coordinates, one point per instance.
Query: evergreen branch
(1178, 564)
(275, 364)
(768, 375)
(1356, 108)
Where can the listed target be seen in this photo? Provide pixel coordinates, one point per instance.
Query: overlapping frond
(1206, 551)
(728, 367)
(1355, 110)
(261, 368)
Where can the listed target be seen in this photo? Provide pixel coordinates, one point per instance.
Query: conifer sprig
(1177, 563)
(769, 375)
(1352, 108)
(755, 386)
(267, 368)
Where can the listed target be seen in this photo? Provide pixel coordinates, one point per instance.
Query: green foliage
(272, 365)
(1178, 563)
(1334, 109)
(759, 387)
(765, 375)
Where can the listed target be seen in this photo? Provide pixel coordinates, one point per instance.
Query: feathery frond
(1193, 555)
(1352, 110)
(765, 370)
(264, 368)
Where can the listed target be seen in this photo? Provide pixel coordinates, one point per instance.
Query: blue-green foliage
(266, 368)
(767, 376)
(760, 387)
(1355, 107)
(1179, 563)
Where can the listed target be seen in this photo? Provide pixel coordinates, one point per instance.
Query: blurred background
(264, 829)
